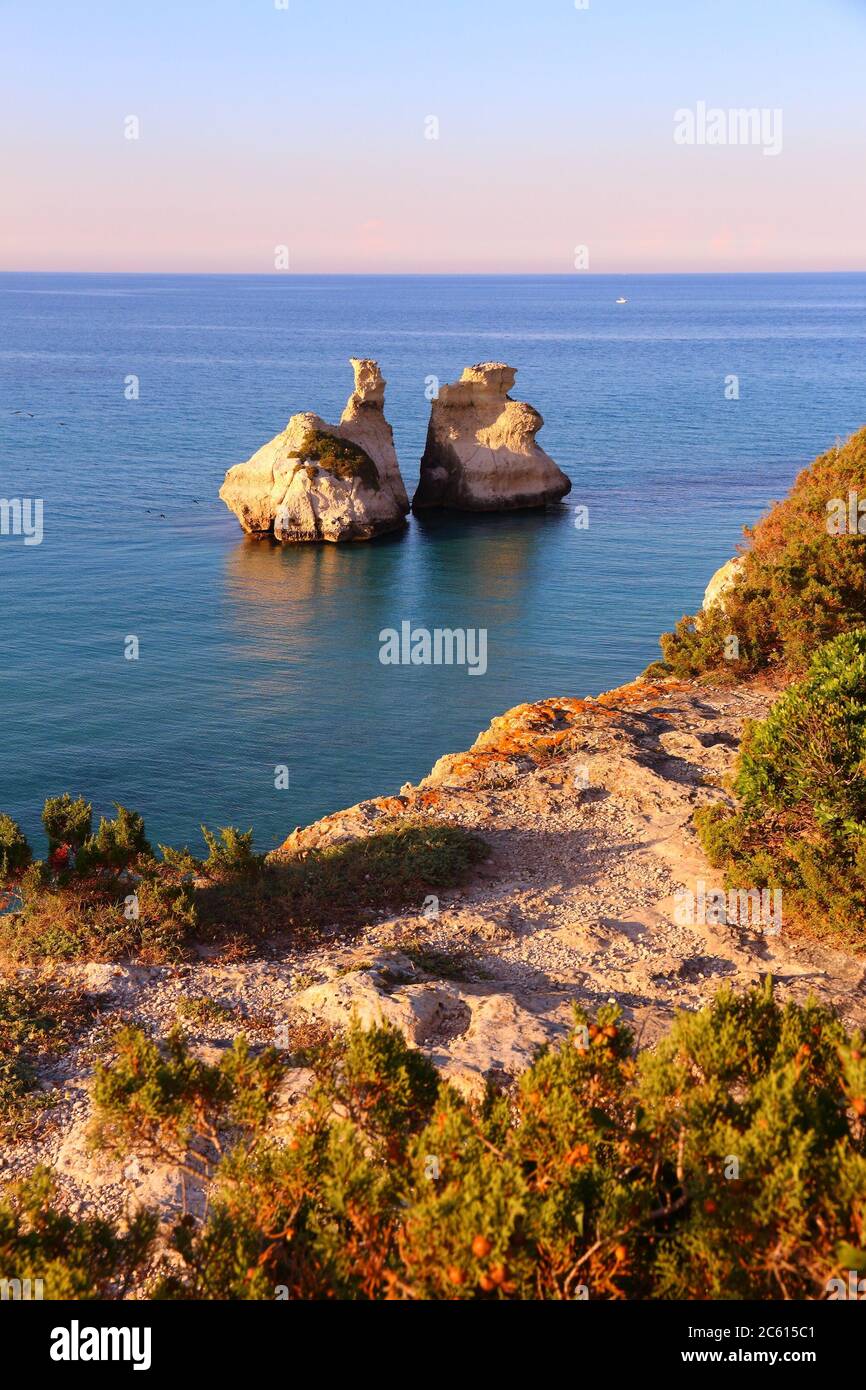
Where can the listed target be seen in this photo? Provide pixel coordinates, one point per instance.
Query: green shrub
(341, 457)
(346, 883)
(155, 914)
(779, 1091)
(801, 783)
(167, 1102)
(35, 878)
(93, 919)
(800, 583)
(379, 1084)
(116, 843)
(15, 852)
(811, 748)
(181, 861)
(728, 1163)
(230, 851)
(74, 1259)
(697, 646)
(38, 1021)
(67, 822)
(205, 1012)
(395, 866)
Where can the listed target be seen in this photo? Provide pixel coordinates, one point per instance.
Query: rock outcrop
(481, 453)
(723, 580)
(587, 806)
(470, 1030)
(321, 482)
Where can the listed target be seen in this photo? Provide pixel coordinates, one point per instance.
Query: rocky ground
(586, 805)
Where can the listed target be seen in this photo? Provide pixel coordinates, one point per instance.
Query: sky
(307, 125)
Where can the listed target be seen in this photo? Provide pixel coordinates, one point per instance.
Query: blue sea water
(253, 656)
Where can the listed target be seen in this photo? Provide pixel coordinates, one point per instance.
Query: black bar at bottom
(85, 1339)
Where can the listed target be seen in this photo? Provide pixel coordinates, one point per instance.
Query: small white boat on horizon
(622, 301)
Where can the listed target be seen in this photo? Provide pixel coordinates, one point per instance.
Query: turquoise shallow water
(254, 656)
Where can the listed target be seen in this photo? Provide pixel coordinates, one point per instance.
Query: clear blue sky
(304, 127)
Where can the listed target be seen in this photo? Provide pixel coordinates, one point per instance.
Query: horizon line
(434, 274)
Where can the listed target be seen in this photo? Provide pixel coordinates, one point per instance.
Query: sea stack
(481, 453)
(321, 482)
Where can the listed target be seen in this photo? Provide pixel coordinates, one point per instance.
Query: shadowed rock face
(321, 482)
(481, 453)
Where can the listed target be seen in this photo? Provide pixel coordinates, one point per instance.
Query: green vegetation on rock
(802, 581)
(112, 900)
(800, 823)
(67, 821)
(345, 884)
(75, 1258)
(117, 842)
(340, 457)
(730, 1162)
(15, 852)
(38, 1021)
(166, 1102)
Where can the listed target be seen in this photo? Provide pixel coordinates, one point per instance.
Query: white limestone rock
(481, 453)
(723, 580)
(300, 488)
(471, 1033)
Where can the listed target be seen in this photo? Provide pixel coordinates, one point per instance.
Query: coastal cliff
(586, 807)
(569, 931)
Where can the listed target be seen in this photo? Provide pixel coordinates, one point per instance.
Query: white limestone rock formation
(481, 453)
(723, 580)
(321, 482)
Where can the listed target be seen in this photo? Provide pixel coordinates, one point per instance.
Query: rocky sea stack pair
(321, 482)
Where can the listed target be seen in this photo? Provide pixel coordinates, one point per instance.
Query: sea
(253, 693)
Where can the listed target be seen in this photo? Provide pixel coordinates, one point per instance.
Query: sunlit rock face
(723, 580)
(321, 482)
(481, 453)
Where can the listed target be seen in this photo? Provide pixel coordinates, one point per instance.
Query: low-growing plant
(802, 581)
(167, 1102)
(204, 1011)
(764, 1108)
(116, 843)
(100, 919)
(181, 861)
(344, 884)
(115, 902)
(39, 1019)
(15, 852)
(800, 822)
(811, 748)
(230, 851)
(728, 1163)
(75, 1258)
(341, 457)
(34, 879)
(456, 964)
(67, 821)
